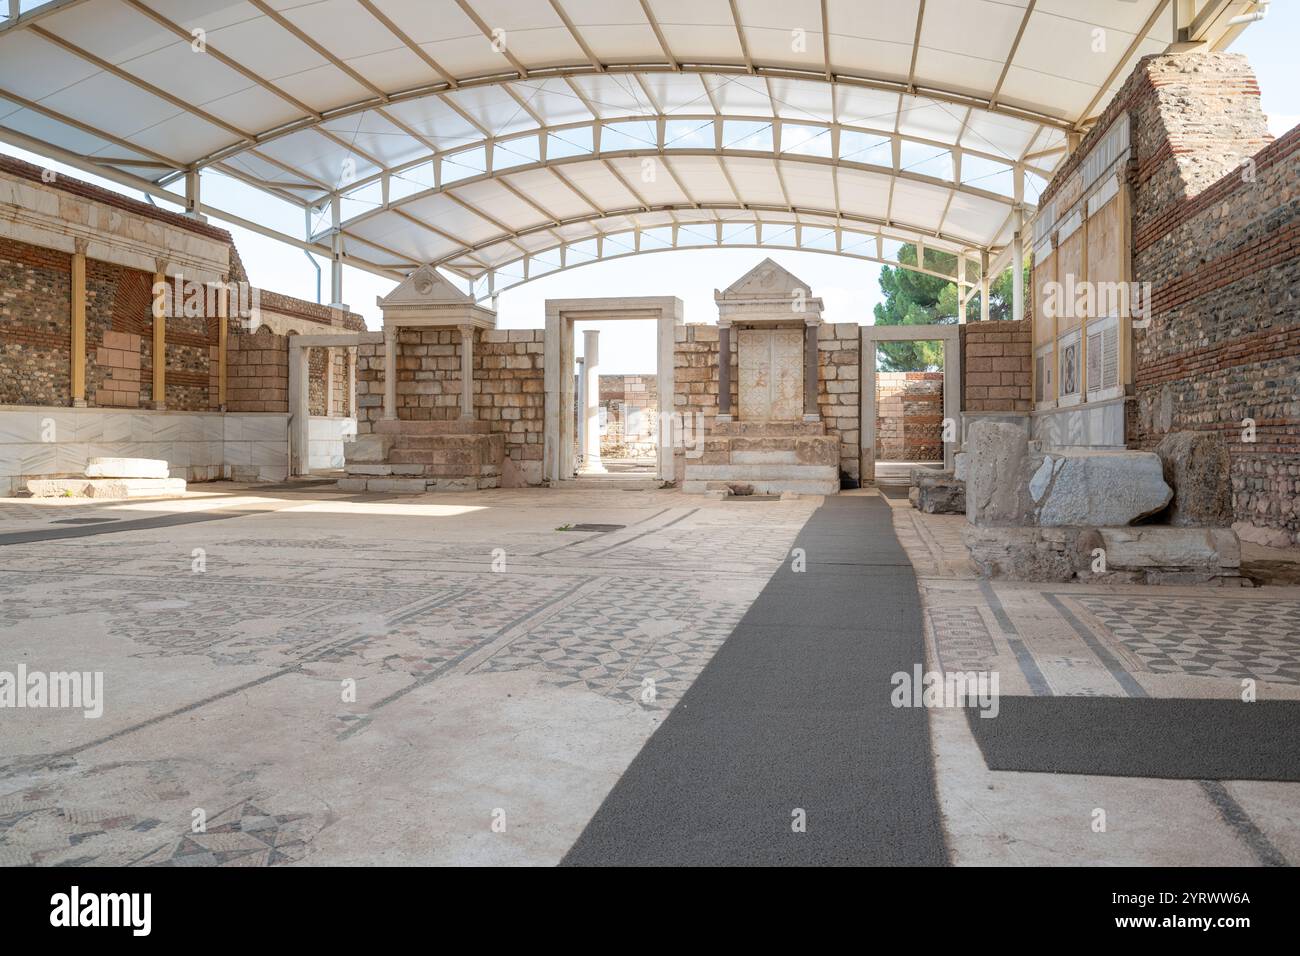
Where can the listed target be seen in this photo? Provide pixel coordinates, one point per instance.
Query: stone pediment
(768, 292)
(426, 286)
(426, 297)
(766, 280)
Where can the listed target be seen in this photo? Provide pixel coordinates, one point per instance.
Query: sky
(848, 287)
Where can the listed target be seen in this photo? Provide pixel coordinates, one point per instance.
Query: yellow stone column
(79, 324)
(160, 299)
(223, 331)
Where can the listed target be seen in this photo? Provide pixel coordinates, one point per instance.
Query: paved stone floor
(509, 665)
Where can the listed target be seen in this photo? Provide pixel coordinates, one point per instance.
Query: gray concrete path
(792, 720)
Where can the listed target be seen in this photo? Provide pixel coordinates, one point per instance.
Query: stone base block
(415, 486)
(811, 486)
(108, 488)
(1149, 555)
(127, 468)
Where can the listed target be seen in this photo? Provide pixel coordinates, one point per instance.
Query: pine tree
(914, 298)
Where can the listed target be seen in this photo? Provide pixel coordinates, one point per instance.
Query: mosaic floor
(1112, 640)
(404, 598)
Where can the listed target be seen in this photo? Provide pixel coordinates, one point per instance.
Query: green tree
(914, 298)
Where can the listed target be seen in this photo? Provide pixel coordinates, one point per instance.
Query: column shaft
(79, 324)
(467, 372)
(810, 373)
(724, 372)
(390, 372)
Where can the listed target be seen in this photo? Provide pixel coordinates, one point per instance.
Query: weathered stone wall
(126, 238)
(997, 367)
(695, 371)
(617, 394)
(509, 387)
(509, 391)
(1216, 231)
(35, 310)
(839, 390)
(909, 416)
(257, 372)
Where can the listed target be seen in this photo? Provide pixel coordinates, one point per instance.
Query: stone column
(390, 372)
(160, 337)
(466, 373)
(352, 382)
(582, 406)
(591, 407)
(79, 324)
(810, 413)
(223, 342)
(724, 371)
(329, 382)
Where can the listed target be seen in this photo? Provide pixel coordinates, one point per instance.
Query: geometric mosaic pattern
(1229, 639)
(613, 614)
(962, 639)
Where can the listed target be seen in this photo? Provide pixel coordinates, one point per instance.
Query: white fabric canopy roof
(503, 138)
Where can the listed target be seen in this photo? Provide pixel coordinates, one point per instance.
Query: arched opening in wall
(909, 410)
(616, 399)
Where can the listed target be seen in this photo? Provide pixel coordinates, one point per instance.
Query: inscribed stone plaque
(771, 374)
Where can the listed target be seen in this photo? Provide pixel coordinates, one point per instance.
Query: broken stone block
(1196, 466)
(106, 487)
(997, 475)
(937, 493)
(1092, 488)
(1019, 554)
(127, 468)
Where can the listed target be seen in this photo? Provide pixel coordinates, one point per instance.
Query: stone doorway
(872, 336)
(560, 425)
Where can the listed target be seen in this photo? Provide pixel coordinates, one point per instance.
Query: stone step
(107, 487)
(441, 441)
(766, 429)
(449, 427)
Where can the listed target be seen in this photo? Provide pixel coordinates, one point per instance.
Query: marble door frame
(558, 429)
(872, 335)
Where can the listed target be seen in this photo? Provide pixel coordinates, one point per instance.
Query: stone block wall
(1216, 231)
(909, 416)
(509, 387)
(118, 371)
(257, 372)
(997, 367)
(839, 384)
(617, 394)
(509, 391)
(695, 371)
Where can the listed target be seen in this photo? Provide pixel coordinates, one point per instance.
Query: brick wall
(909, 416)
(1216, 230)
(997, 366)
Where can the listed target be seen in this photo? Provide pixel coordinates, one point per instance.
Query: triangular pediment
(768, 279)
(425, 286)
